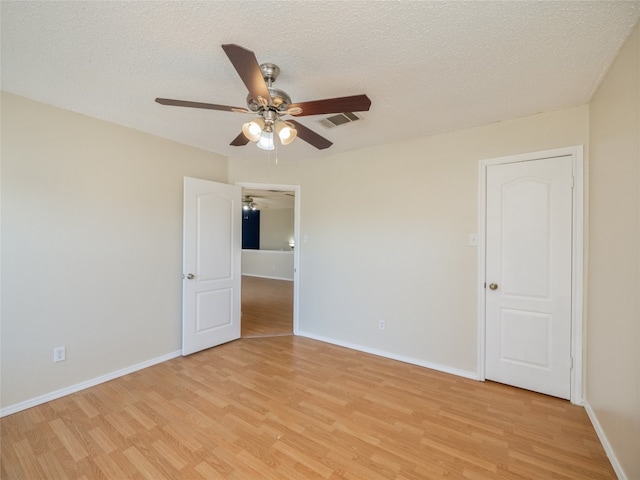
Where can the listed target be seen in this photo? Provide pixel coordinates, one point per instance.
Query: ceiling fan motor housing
(280, 101)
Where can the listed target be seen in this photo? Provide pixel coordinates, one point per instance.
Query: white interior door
(528, 274)
(211, 261)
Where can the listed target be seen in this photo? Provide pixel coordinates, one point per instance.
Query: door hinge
(570, 363)
(573, 182)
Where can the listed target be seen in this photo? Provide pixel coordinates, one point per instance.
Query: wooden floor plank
(287, 407)
(267, 307)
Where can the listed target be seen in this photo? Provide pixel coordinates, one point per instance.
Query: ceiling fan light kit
(270, 104)
(286, 132)
(266, 141)
(253, 129)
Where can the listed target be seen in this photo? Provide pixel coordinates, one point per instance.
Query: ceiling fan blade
(210, 106)
(354, 103)
(240, 140)
(247, 66)
(310, 136)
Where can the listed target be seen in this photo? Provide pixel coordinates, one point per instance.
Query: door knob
(190, 276)
(493, 286)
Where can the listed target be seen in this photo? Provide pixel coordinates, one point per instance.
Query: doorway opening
(267, 307)
(270, 260)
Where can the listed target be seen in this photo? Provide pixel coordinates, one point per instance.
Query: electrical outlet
(381, 325)
(59, 354)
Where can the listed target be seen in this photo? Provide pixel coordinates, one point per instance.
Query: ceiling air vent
(340, 119)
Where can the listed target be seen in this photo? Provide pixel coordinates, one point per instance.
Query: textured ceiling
(270, 199)
(428, 67)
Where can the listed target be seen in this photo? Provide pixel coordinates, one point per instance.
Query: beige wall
(613, 315)
(91, 246)
(388, 235)
(276, 228)
(268, 264)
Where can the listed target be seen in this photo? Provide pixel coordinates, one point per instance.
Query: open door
(212, 245)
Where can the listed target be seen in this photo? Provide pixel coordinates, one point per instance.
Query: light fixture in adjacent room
(247, 204)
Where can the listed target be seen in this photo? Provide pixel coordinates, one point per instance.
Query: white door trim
(296, 239)
(577, 262)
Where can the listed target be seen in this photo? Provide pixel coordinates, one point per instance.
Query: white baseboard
(393, 356)
(47, 397)
(605, 442)
(265, 276)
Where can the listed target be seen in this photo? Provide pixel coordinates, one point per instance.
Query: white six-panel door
(212, 247)
(528, 274)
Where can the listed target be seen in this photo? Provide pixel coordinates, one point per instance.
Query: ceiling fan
(271, 104)
(247, 203)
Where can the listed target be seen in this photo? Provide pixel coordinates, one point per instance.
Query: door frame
(577, 261)
(296, 238)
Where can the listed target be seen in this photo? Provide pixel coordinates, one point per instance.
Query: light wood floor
(267, 307)
(287, 407)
